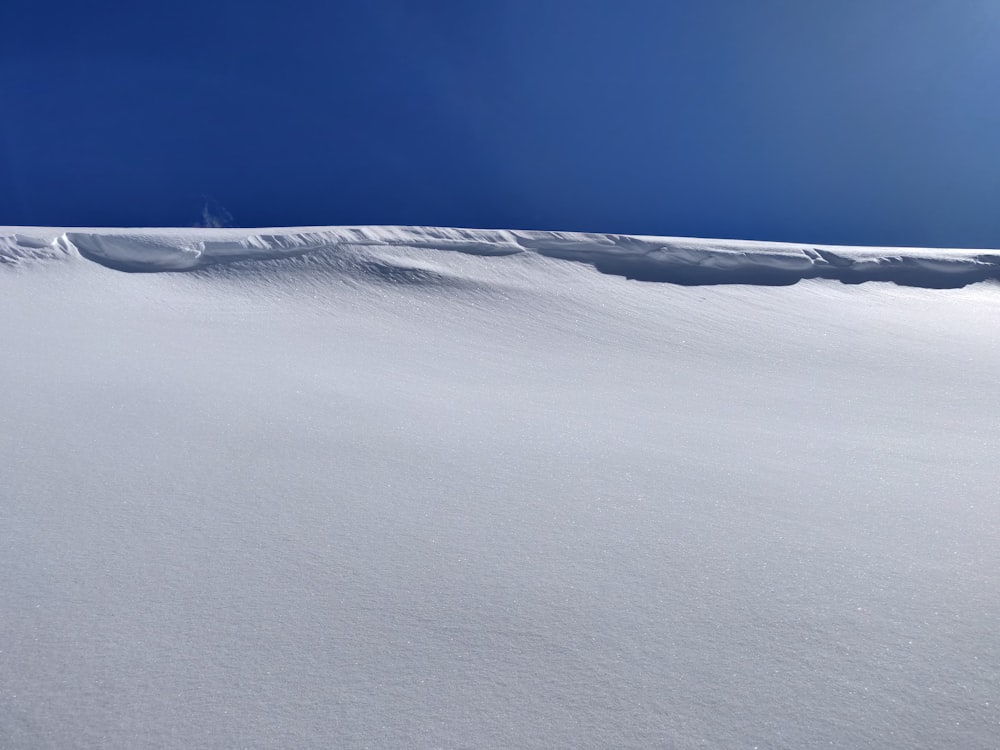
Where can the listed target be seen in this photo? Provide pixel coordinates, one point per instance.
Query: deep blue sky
(855, 121)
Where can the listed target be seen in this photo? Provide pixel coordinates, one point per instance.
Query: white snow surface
(670, 259)
(391, 487)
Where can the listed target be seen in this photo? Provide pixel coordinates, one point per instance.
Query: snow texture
(663, 259)
(378, 487)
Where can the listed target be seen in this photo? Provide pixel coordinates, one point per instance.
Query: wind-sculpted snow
(18, 249)
(151, 252)
(341, 487)
(688, 262)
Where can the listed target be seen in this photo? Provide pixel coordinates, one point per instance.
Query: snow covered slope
(341, 487)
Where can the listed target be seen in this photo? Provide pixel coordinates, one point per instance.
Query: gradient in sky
(855, 121)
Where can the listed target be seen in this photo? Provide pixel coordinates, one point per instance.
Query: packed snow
(398, 487)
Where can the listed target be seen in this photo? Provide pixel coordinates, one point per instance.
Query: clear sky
(851, 121)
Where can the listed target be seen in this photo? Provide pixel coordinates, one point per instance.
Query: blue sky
(855, 121)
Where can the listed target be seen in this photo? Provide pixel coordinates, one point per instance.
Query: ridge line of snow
(686, 261)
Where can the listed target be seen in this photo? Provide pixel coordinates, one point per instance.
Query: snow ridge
(18, 249)
(657, 259)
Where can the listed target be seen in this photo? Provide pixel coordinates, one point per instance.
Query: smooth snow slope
(337, 487)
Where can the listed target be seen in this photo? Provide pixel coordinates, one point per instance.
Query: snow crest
(18, 250)
(657, 259)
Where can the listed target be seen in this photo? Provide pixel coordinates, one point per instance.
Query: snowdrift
(662, 259)
(396, 487)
